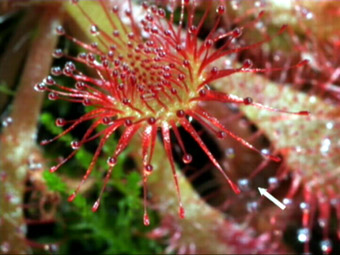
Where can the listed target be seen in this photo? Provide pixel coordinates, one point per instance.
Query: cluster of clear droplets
(303, 235)
(7, 122)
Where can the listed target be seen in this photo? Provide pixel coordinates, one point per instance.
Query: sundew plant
(140, 86)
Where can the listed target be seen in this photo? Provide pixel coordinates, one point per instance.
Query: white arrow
(265, 193)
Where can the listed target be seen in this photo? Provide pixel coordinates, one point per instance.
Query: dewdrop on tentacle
(151, 76)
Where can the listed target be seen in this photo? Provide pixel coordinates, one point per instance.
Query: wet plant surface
(168, 117)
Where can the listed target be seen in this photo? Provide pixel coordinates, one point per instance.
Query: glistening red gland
(152, 75)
